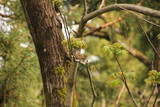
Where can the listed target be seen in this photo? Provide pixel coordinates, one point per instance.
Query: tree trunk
(45, 29)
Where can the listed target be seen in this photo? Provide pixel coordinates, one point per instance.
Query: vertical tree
(45, 29)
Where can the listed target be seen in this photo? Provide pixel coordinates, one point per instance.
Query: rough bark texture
(46, 32)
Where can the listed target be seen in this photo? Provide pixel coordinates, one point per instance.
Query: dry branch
(92, 86)
(134, 52)
(119, 96)
(139, 55)
(103, 26)
(123, 78)
(102, 4)
(135, 8)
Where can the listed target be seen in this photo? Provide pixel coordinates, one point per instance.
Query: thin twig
(141, 2)
(138, 16)
(155, 100)
(85, 8)
(148, 39)
(153, 87)
(20, 63)
(134, 52)
(152, 92)
(103, 26)
(84, 14)
(85, 64)
(91, 84)
(125, 82)
(102, 17)
(102, 4)
(119, 96)
(135, 8)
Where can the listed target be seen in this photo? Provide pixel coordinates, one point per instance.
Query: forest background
(121, 49)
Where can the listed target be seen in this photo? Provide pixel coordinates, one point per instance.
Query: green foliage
(76, 43)
(57, 3)
(116, 49)
(153, 77)
(19, 68)
(158, 36)
(115, 82)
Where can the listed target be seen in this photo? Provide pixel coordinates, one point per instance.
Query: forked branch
(132, 7)
(92, 86)
(125, 82)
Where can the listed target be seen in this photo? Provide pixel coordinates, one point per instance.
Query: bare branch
(139, 55)
(102, 4)
(156, 97)
(138, 16)
(85, 7)
(86, 65)
(151, 94)
(134, 52)
(103, 26)
(119, 96)
(135, 8)
(102, 18)
(125, 82)
(149, 41)
(91, 84)
(141, 2)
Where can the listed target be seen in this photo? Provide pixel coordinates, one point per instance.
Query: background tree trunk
(45, 29)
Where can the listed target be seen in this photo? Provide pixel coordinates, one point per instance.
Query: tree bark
(45, 29)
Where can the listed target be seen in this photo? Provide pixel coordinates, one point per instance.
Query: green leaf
(158, 36)
(115, 82)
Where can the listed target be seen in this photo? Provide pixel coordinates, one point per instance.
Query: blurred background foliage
(20, 79)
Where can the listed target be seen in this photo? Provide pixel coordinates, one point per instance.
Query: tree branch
(119, 96)
(92, 85)
(150, 43)
(102, 4)
(104, 35)
(135, 8)
(103, 26)
(156, 97)
(134, 52)
(149, 98)
(139, 55)
(125, 82)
